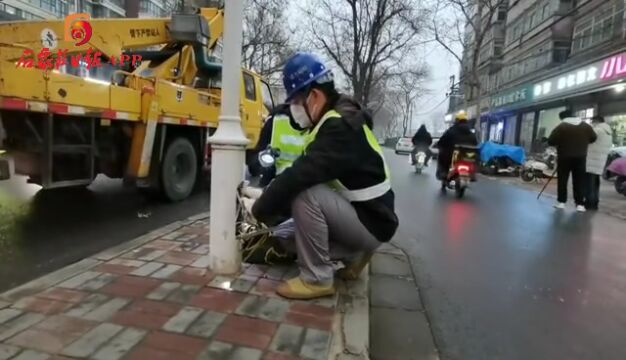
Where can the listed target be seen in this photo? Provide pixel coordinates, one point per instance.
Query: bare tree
(464, 34)
(369, 40)
(404, 94)
(265, 42)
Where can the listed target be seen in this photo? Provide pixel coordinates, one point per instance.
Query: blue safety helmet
(302, 70)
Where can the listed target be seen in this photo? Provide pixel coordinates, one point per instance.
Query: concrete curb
(67, 272)
(351, 327)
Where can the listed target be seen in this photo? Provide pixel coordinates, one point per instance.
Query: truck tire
(179, 170)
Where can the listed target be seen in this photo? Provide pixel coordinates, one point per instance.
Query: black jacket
(422, 137)
(458, 134)
(340, 151)
(572, 137)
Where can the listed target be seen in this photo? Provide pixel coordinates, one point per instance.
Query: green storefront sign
(512, 98)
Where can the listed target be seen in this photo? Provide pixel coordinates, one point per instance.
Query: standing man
(280, 132)
(596, 159)
(338, 193)
(571, 139)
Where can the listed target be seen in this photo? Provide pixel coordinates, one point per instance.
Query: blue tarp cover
(489, 150)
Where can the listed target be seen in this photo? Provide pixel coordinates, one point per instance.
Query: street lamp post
(228, 147)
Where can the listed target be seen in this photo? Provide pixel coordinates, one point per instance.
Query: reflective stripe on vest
(365, 194)
(288, 140)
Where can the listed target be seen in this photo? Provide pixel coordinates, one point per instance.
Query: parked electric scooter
(618, 167)
(462, 170)
(541, 167)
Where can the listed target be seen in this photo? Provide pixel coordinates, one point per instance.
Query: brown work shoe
(353, 270)
(298, 289)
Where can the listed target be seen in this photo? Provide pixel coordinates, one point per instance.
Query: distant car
(615, 153)
(434, 149)
(404, 145)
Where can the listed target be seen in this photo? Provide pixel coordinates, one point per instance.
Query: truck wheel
(179, 170)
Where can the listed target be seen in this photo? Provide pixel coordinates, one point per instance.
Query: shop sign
(514, 97)
(593, 74)
(614, 67)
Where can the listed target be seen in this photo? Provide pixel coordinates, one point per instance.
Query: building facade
(556, 55)
(11, 10)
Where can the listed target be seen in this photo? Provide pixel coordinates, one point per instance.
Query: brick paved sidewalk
(157, 301)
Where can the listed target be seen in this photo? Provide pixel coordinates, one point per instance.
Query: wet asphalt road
(43, 231)
(504, 276)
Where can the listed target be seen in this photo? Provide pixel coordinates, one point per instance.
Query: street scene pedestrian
(422, 140)
(596, 161)
(571, 139)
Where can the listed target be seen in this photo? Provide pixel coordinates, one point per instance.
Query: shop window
(527, 128)
(509, 130)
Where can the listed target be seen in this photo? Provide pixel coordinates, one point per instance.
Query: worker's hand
(252, 192)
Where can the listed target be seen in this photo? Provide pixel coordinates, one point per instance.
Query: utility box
(189, 28)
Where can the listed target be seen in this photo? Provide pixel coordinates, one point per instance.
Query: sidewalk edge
(351, 327)
(69, 271)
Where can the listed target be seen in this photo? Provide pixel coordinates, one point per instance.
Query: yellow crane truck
(148, 125)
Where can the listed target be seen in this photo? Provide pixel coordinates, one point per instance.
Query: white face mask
(300, 116)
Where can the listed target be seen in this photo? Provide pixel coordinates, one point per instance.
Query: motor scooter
(541, 167)
(420, 161)
(463, 169)
(618, 167)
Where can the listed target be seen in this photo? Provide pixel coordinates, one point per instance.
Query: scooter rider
(282, 133)
(422, 140)
(458, 134)
(338, 192)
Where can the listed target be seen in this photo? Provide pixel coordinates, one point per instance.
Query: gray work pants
(324, 227)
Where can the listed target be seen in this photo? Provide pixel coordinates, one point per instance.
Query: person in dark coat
(458, 134)
(571, 139)
(421, 141)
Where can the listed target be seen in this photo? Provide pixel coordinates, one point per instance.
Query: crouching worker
(338, 193)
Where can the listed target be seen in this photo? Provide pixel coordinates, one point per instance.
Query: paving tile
(114, 269)
(152, 254)
(266, 287)
(52, 334)
(43, 306)
(172, 236)
(202, 262)
(181, 321)
(181, 258)
(193, 276)
(105, 311)
(217, 300)
(184, 345)
(207, 324)
(187, 237)
(32, 355)
(254, 333)
(163, 291)
(310, 316)
(92, 340)
(224, 351)
(18, 324)
(166, 271)
(148, 269)
(316, 345)
(67, 295)
(127, 262)
(222, 282)
(256, 270)
(146, 314)
(131, 286)
(8, 351)
(99, 282)
(120, 345)
(8, 314)
(243, 284)
(288, 339)
(270, 355)
(276, 272)
(80, 279)
(184, 294)
(142, 352)
(89, 304)
(263, 308)
(203, 249)
(161, 244)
